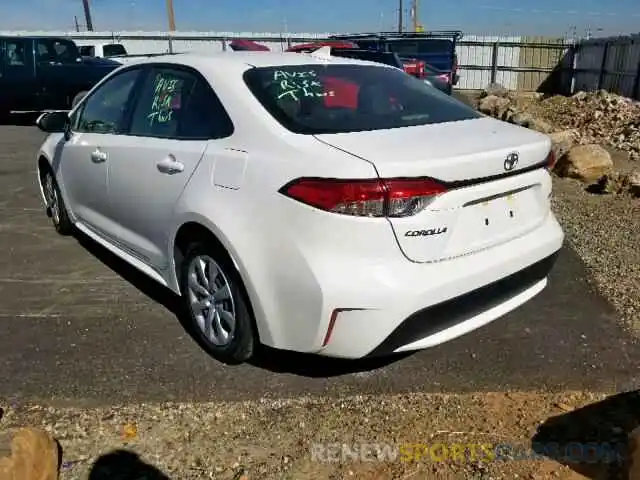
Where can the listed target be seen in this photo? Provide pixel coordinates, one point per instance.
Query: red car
(247, 45)
(310, 47)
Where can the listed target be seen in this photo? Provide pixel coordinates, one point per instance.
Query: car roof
(34, 37)
(248, 59)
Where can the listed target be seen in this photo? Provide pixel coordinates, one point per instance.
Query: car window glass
(55, 51)
(88, 51)
(16, 52)
(113, 49)
(161, 103)
(367, 44)
(204, 117)
(312, 99)
(417, 47)
(103, 111)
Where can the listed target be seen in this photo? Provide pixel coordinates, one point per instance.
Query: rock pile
(579, 126)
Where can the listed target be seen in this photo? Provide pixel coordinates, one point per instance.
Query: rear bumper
(452, 318)
(416, 306)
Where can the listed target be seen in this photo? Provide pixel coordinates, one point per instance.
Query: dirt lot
(92, 353)
(314, 438)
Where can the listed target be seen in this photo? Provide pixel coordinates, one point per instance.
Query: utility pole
(400, 15)
(171, 16)
(414, 15)
(87, 15)
(75, 19)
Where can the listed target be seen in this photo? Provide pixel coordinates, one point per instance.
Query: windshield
(315, 99)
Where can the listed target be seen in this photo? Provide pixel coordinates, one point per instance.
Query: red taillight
(396, 197)
(551, 160)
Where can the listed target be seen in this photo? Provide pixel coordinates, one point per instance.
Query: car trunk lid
(496, 188)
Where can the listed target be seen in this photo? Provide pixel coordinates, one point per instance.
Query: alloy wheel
(210, 300)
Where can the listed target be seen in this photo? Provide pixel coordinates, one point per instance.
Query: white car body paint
(310, 272)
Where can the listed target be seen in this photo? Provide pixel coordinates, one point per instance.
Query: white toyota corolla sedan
(305, 202)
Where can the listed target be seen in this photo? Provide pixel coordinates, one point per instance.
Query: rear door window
(52, 51)
(176, 103)
(339, 98)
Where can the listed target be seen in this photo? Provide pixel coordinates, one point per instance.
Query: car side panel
(249, 221)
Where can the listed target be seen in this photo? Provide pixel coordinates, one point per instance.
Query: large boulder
(634, 183)
(563, 141)
(494, 105)
(495, 90)
(34, 456)
(587, 163)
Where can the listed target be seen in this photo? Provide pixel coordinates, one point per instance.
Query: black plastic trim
(442, 316)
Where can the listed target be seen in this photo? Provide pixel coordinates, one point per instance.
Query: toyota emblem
(511, 161)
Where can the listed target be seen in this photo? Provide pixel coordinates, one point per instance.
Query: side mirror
(53, 122)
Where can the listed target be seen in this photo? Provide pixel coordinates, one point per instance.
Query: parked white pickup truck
(113, 51)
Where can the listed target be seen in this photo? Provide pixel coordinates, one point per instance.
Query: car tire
(78, 98)
(55, 207)
(205, 274)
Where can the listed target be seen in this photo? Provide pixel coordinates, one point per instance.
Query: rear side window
(178, 104)
(113, 49)
(314, 99)
(88, 51)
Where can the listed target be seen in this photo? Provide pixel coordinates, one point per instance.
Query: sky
(480, 17)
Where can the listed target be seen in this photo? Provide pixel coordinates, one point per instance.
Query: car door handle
(170, 165)
(98, 156)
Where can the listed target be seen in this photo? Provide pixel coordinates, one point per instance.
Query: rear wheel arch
(43, 164)
(193, 232)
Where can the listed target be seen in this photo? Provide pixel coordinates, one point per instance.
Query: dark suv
(436, 49)
(45, 73)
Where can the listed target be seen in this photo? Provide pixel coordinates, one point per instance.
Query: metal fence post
(572, 64)
(603, 65)
(494, 61)
(636, 84)
(170, 42)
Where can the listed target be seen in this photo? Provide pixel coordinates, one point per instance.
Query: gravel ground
(275, 439)
(605, 231)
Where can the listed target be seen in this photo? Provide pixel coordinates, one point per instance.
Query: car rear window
(421, 47)
(315, 99)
